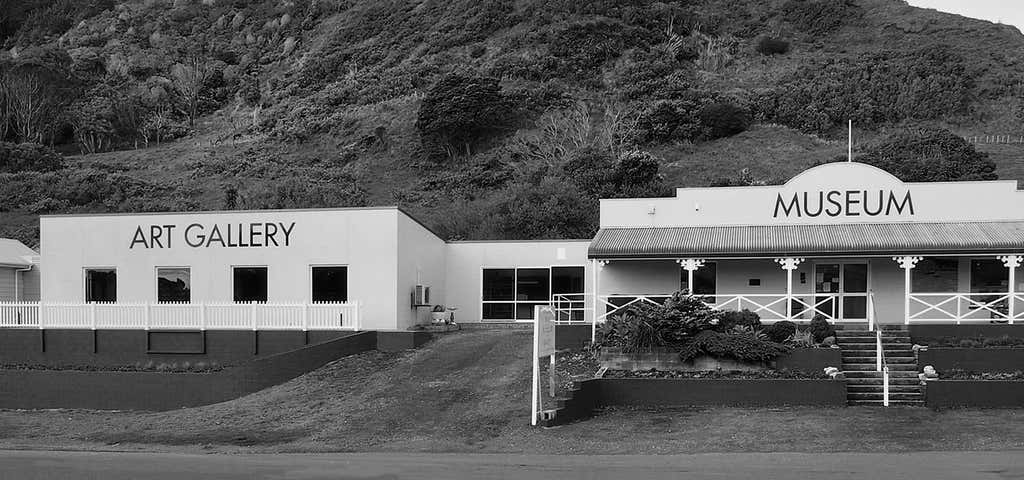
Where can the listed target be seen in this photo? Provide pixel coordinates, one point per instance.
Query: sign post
(543, 345)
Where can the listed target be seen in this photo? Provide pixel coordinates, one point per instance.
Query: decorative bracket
(1011, 261)
(690, 264)
(789, 263)
(907, 262)
(602, 263)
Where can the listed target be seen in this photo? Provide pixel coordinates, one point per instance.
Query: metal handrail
(881, 364)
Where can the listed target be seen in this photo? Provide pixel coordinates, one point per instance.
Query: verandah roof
(809, 240)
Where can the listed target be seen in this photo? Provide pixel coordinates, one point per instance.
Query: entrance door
(842, 290)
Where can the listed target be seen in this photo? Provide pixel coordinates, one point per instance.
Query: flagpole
(849, 142)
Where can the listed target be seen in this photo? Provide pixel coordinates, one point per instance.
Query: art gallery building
(844, 240)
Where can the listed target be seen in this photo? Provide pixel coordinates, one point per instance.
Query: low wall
(40, 389)
(974, 393)
(572, 336)
(922, 333)
(972, 359)
(671, 392)
(105, 348)
(811, 360)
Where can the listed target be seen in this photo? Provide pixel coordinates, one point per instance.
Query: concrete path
(378, 466)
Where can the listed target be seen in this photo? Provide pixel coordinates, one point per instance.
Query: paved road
(379, 466)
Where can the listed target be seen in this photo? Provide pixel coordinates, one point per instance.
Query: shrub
(820, 328)
(462, 110)
(672, 323)
(723, 119)
(744, 348)
(742, 318)
(930, 155)
(780, 331)
(28, 157)
(629, 332)
(819, 17)
(772, 46)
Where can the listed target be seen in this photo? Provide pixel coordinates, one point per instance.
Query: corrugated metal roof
(14, 253)
(809, 240)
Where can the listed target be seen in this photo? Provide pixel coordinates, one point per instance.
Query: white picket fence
(189, 316)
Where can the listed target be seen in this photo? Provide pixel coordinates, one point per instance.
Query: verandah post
(690, 265)
(1011, 262)
(789, 264)
(907, 263)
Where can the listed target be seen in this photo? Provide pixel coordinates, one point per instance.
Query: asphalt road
(26, 465)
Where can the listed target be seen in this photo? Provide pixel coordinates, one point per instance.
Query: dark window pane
(532, 284)
(499, 284)
(934, 275)
(524, 311)
(101, 285)
(705, 279)
(498, 311)
(855, 278)
(251, 284)
(989, 276)
(826, 278)
(330, 284)
(173, 285)
(855, 307)
(825, 306)
(567, 280)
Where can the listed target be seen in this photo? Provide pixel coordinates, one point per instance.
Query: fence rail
(191, 316)
(965, 307)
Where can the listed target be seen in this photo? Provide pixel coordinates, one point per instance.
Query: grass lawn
(468, 392)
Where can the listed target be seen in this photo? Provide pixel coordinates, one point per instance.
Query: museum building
(846, 241)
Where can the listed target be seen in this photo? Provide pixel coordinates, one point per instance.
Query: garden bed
(717, 392)
(719, 374)
(801, 359)
(997, 359)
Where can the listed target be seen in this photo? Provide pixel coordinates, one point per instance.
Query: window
(330, 284)
(100, 285)
(250, 284)
(705, 280)
(989, 276)
(514, 293)
(934, 275)
(173, 284)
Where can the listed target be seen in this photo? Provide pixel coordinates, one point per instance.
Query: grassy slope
(468, 392)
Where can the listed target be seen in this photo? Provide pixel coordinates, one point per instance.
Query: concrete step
(893, 403)
(873, 374)
(878, 381)
(880, 395)
(871, 346)
(870, 335)
(854, 367)
(879, 389)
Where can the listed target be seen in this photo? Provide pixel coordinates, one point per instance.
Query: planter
(802, 359)
(999, 359)
(974, 393)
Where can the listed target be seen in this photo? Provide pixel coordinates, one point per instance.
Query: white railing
(191, 316)
(574, 308)
(964, 307)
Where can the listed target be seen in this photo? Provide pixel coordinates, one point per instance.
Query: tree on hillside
(462, 111)
(28, 105)
(930, 155)
(599, 175)
(189, 78)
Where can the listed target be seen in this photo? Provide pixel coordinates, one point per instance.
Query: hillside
(487, 119)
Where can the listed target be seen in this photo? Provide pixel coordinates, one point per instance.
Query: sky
(1010, 12)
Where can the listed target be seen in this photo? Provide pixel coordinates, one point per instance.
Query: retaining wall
(974, 393)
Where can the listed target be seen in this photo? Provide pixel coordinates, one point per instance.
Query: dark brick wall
(165, 391)
(923, 333)
(56, 347)
(972, 359)
(974, 393)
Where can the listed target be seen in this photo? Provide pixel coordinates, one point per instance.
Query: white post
(907, 263)
(1012, 262)
(690, 265)
(146, 316)
(789, 264)
(305, 316)
(252, 315)
(596, 266)
(535, 386)
(92, 315)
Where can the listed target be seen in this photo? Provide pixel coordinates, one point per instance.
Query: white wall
(7, 276)
(365, 240)
(467, 259)
(421, 260)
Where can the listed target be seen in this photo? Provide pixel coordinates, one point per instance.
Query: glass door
(841, 290)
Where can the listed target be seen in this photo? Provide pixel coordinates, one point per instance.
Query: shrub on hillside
(28, 157)
(779, 332)
(930, 155)
(745, 348)
(771, 46)
(461, 111)
(668, 120)
(741, 318)
(820, 17)
(820, 328)
(635, 174)
(723, 119)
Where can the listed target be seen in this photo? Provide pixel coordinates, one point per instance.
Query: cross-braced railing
(965, 307)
